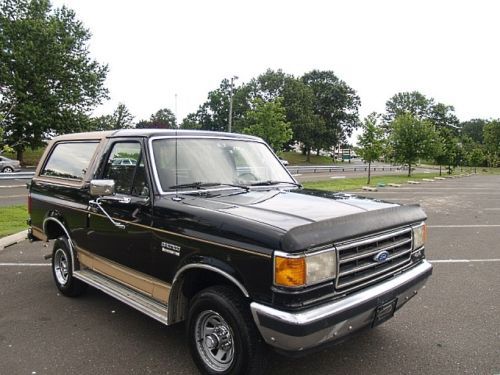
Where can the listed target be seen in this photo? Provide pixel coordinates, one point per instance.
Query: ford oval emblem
(381, 257)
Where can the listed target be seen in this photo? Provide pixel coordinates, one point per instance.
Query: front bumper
(335, 320)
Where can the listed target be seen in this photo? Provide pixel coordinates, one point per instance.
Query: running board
(124, 294)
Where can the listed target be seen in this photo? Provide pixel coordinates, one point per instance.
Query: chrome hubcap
(61, 267)
(214, 340)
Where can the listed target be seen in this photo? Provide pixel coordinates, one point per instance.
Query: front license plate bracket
(384, 312)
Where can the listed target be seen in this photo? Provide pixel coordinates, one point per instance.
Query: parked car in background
(8, 165)
(283, 161)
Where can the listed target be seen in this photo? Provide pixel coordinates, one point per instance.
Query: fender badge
(170, 248)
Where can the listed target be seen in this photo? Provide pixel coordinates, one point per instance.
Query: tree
(445, 148)
(190, 122)
(268, 121)
(411, 139)
(443, 116)
(47, 77)
(336, 104)
(491, 135)
(371, 141)
(414, 103)
(476, 157)
(214, 113)
(122, 118)
(162, 119)
(474, 129)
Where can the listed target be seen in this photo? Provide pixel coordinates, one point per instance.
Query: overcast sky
(448, 50)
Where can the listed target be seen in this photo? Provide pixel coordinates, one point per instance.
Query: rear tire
(62, 269)
(222, 336)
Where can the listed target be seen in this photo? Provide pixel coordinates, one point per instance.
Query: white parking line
(462, 260)
(14, 196)
(24, 264)
(11, 186)
(466, 226)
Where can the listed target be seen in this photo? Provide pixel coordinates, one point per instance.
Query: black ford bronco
(211, 229)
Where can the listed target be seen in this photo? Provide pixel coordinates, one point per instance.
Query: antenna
(176, 167)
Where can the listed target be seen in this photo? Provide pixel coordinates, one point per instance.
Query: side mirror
(101, 188)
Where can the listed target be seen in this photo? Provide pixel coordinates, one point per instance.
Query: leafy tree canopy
(411, 139)
(474, 129)
(371, 141)
(268, 121)
(162, 119)
(335, 103)
(49, 84)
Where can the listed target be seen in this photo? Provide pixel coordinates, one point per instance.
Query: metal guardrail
(291, 168)
(17, 176)
(339, 168)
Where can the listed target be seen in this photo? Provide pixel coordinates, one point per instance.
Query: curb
(13, 239)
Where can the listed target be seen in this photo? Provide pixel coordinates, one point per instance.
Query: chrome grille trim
(367, 254)
(356, 266)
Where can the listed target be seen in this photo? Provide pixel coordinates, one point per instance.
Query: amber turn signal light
(290, 271)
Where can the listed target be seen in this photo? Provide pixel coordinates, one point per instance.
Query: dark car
(8, 165)
(211, 229)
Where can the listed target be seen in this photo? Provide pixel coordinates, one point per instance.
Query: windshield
(215, 161)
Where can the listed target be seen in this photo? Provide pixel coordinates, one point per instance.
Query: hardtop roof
(148, 133)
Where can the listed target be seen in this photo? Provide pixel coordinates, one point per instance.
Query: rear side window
(70, 160)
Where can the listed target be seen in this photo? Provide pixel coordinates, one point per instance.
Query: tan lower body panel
(138, 281)
(38, 233)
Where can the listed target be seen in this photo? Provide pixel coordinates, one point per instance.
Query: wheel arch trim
(213, 269)
(177, 303)
(66, 232)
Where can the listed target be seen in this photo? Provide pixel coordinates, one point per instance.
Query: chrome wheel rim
(8, 170)
(61, 267)
(214, 341)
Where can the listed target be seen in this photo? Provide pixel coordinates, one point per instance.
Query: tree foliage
(491, 135)
(474, 129)
(120, 119)
(336, 104)
(49, 83)
(371, 141)
(268, 121)
(414, 103)
(162, 119)
(411, 139)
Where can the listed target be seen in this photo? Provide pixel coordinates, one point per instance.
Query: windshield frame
(221, 188)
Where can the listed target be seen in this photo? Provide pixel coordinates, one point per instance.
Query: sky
(172, 53)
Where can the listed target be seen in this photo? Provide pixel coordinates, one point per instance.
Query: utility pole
(231, 103)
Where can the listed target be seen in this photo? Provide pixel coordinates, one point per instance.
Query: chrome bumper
(334, 320)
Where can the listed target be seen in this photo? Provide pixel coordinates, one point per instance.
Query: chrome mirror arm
(97, 203)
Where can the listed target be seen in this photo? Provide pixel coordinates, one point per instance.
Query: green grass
(13, 219)
(31, 157)
(295, 158)
(358, 182)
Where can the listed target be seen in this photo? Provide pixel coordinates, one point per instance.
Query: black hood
(305, 218)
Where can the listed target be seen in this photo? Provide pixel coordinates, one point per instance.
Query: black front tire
(8, 170)
(222, 336)
(62, 270)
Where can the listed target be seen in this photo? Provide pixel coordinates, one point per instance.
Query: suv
(211, 229)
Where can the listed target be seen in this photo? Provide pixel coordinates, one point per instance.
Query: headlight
(419, 236)
(304, 269)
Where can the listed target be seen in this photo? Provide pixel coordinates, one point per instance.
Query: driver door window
(125, 165)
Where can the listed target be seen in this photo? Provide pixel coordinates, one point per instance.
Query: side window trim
(72, 181)
(142, 158)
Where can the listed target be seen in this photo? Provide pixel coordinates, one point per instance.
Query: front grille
(357, 266)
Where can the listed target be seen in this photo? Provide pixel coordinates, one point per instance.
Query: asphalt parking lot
(451, 327)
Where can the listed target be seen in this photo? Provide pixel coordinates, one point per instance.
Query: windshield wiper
(273, 182)
(202, 185)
